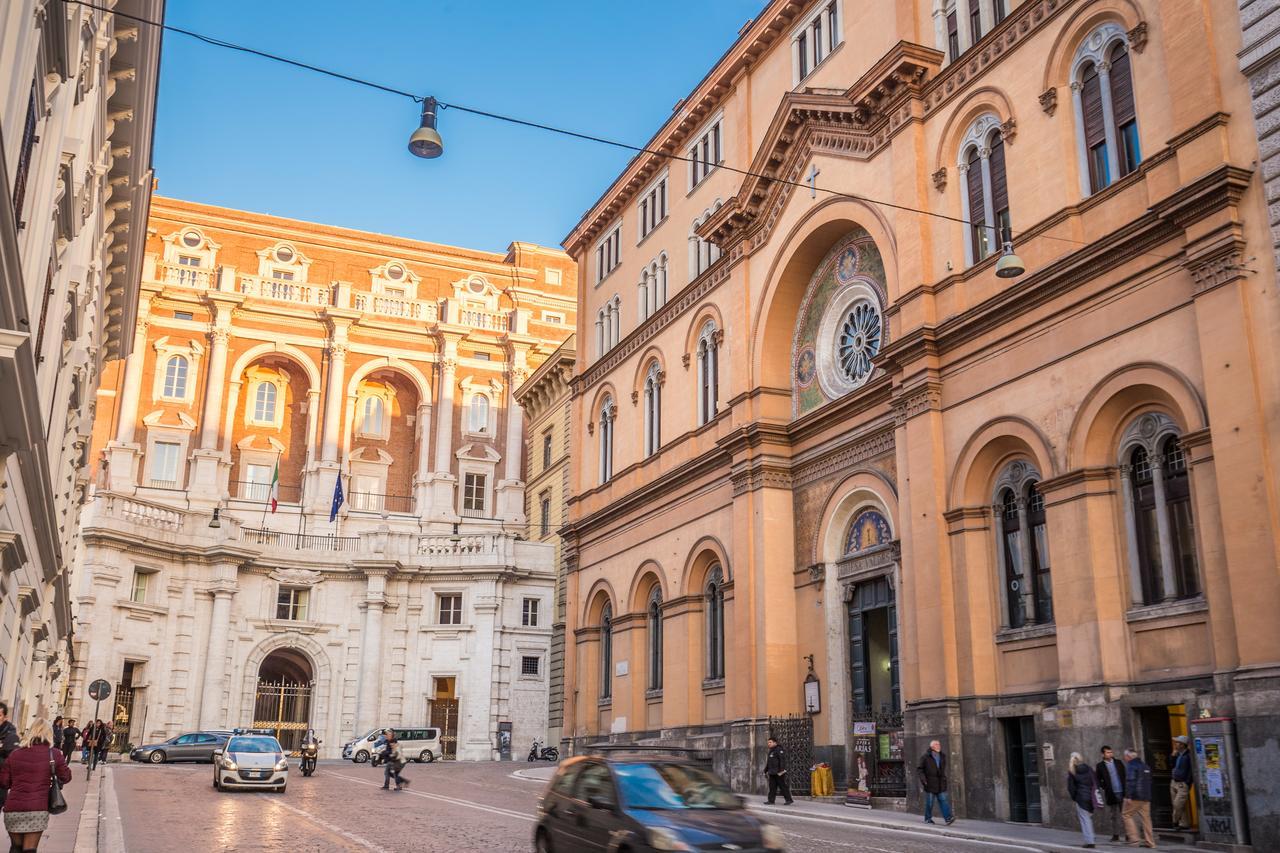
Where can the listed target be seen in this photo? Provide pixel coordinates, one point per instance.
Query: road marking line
(466, 803)
(336, 830)
(903, 831)
(519, 774)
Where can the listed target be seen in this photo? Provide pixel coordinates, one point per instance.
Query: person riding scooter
(310, 752)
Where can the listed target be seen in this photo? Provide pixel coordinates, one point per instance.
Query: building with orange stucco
(221, 583)
(819, 440)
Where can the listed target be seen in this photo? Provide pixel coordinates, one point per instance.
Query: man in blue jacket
(1180, 785)
(1137, 800)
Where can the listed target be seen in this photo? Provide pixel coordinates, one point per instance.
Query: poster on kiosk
(1217, 778)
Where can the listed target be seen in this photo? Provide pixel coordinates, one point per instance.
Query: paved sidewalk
(65, 830)
(993, 832)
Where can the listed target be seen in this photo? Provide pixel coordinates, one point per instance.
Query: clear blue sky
(244, 132)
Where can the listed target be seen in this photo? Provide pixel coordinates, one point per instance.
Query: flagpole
(301, 520)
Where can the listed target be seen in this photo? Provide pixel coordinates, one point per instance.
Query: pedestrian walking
(105, 734)
(933, 779)
(57, 732)
(1082, 787)
(393, 759)
(8, 742)
(1110, 776)
(86, 735)
(1180, 785)
(1137, 801)
(775, 770)
(70, 735)
(28, 775)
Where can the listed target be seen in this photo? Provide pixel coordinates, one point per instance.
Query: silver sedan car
(192, 746)
(251, 761)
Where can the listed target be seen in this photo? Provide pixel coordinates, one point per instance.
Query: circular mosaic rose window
(858, 341)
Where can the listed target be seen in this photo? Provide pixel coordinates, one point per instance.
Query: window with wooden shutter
(998, 10)
(977, 206)
(1095, 129)
(953, 36)
(975, 22)
(999, 187)
(1122, 108)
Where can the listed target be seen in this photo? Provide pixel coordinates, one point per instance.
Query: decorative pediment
(170, 420)
(478, 452)
(851, 124)
(256, 442)
(476, 289)
(373, 455)
(297, 577)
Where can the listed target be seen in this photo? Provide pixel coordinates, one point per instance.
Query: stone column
(511, 489)
(1025, 544)
(212, 714)
(214, 388)
(123, 453)
(988, 203)
(1131, 535)
(1109, 120)
(333, 395)
(209, 459)
(443, 507)
(1169, 586)
(369, 688)
(1082, 147)
(422, 480)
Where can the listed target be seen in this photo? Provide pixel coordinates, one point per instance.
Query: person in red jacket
(27, 776)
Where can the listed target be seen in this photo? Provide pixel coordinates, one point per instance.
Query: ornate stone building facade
(77, 110)
(220, 580)
(1027, 516)
(545, 399)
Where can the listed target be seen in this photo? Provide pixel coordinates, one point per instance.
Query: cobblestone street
(448, 807)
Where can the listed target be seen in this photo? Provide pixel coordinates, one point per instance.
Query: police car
(252, 758)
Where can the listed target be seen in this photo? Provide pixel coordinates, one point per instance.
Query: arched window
(714, 595)
(600, 339)
(606, 652)
(175, 378)
(708, 373)
(654, 621)
(264, 403)
(1024, 547)
(606, 440)
(652, 409)
(985, 201)
(479, 413)
(660, 280)
(373, 418)
(642, 294)
(1105, 108)
(1159, 514)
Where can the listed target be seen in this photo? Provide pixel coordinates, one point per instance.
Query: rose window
(858, 341)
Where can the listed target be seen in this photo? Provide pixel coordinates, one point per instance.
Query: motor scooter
(538, 752)
(310, 754)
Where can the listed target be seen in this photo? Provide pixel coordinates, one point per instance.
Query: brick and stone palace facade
(272, 357)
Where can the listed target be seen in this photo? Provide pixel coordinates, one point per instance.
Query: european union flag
(337, 498)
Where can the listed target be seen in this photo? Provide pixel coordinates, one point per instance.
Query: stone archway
(301, 655)
(283, 696)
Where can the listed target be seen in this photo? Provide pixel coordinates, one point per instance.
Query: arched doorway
(283, 699)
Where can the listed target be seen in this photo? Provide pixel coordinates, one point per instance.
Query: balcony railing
(157, 483)
(138, 512)
(181, 275)
(474, 512)
(260, 493)
(298, 541)
(375, 502)
(283, 290)
(396, 306)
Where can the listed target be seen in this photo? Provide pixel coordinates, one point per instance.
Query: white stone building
(77, 109)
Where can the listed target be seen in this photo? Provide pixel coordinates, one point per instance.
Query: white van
(416, 744)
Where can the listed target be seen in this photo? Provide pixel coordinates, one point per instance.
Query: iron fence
(795, 735)
(376, 502)
(299, 541)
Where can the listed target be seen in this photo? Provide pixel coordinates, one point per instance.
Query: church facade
(834, 475)
(309, 495)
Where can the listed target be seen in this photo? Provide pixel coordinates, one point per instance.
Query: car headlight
(772, 837)
(228, 764)
(661, 838)
(282, 764)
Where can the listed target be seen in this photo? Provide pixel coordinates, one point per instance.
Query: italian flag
(275, 486)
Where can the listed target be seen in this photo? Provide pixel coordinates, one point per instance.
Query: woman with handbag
(1082, 787)
(34, 775)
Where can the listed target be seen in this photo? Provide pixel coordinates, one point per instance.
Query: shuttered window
(999, 188)
(1122, 107)
(975, 22)
(1095, 129)
(953, 36)
(977, 206)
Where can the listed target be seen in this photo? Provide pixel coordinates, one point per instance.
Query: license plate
(259, 774)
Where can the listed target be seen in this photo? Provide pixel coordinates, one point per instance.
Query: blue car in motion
(641, 803)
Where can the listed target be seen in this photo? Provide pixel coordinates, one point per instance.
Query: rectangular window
(546, 450)
(953, 36)
(164, 464)
(183, 315)
(553, 317)
(815, 39)
(609, 253)
(141, 580)
(704, 154)
(282, 275)
(291, 603)
(256, 485)
(481, 356)
(999, 11)
(529, 613)
(26, 151)
(450, 610)
(473, 495)
(975, 22)
(530, 665)
(544, 507)
(653, 207)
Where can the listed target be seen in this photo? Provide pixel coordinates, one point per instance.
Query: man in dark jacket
(933, 779)
(775, 768)
(1137, 800)
(70, 735)
(8, 742)
(1110, 773)
(1180, 784)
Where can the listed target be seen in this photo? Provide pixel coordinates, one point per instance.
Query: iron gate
(444, 716)
(795, 735)
(888, 761)
(285, 708)
(121, 718)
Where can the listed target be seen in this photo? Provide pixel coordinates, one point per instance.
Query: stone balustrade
(396, 306)
(284, 290)
(180, 275)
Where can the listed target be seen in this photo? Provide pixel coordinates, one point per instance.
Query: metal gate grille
(285, 708)
(444, 716)
(121, 718)
(888, 764)
(795, 735)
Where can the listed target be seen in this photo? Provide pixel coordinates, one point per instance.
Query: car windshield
(672, 786)
(253, 744)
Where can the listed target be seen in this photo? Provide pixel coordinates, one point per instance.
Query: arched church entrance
(283, 698)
